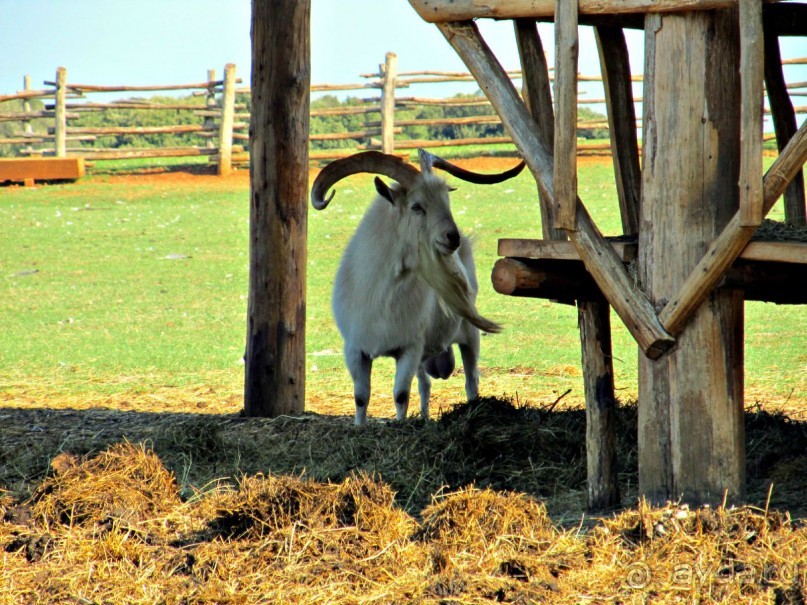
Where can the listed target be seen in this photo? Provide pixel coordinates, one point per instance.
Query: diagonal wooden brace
(730, 243)
(601, 261)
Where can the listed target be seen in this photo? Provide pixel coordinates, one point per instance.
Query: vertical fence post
(227, 119)
(390, 75)
(210, 105)
(61, 113)
(26, 107)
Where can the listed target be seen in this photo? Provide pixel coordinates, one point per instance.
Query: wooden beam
(41, 169)
(784, 124)
(725, 249)
(775, 278)
(274, 381)
(441, 11)
(619, 289)
(564, 168)
(558, 250)
(752, 73)
(537, 92)
(616, 76)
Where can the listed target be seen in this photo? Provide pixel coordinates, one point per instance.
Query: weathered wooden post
(26, 107)
(390, 75)
(691, 437)
(227, 119)
(275, 348)
(784, 124)
(210, 106)
(60, 129)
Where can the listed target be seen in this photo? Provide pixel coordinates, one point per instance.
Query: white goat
(406, 286)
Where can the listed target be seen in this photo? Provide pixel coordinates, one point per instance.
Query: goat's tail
(448, 279)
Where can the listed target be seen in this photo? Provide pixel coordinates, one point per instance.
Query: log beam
(441, 11)
(752, 72)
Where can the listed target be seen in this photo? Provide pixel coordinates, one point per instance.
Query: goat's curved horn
(373, 162)
(428, 159)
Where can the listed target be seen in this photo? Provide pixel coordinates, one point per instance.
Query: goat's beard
(447, 277)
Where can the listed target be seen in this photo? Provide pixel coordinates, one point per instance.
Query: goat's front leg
(406, 364)
(360, 366)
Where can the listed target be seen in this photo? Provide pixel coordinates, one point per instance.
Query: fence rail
(223, 124)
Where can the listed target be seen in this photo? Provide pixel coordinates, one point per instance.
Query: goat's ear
(383, 190)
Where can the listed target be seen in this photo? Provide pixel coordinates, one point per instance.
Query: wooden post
(227, 119)
(28, 129)
(60, 129)
(538, 98)
(390, 73)
(210, 105)
(565, 153)
(752, 74)
(616, 81)
(691, 436)
(275, 348)
(593, 316)
(785, 125)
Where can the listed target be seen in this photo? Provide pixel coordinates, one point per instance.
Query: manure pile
(116, 526)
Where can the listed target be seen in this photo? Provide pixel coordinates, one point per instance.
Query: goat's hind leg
(425, 390)
(469, 350)
(360, 366)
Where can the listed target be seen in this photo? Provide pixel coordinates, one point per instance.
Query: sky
(138, 42)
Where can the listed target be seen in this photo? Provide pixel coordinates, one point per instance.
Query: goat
(406, 286)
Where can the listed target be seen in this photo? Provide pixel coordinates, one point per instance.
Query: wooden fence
(223, 124)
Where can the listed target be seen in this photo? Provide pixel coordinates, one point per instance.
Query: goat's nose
(453, 238)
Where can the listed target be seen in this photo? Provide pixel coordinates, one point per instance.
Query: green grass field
(116, 286)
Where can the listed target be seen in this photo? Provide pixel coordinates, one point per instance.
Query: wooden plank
(779, 252)
(558, 250)
(752, 72)
(724, 250)
(41, 169)
(619, 289)
(784, 124)
(615, 67)
(441, 11)
(564, 169)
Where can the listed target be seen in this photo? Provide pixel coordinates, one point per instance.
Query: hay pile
(112, 528)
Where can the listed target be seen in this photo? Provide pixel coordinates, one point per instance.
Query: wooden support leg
(598, 374)
(593, 317)
(691, 438)
(785, 125)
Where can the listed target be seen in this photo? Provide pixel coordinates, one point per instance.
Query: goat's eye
(418, 208)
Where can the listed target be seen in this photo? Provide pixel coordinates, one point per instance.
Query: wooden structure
(30, 170)
(275, 347)
(691, 212)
